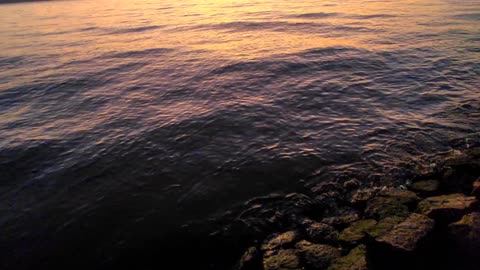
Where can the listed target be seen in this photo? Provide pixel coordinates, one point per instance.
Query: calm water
(122, 121)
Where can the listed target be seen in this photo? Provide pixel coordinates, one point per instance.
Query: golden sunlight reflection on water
(226, 28)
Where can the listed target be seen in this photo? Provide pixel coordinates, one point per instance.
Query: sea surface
(122, 122)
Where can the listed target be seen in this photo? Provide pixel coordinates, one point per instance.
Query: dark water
(124, 121)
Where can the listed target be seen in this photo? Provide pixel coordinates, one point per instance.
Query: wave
(134, 29)
(284, 26)
(468, 16)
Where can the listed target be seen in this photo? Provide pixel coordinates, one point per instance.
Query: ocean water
(123, 121)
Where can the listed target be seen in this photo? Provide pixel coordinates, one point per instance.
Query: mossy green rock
(382, 207)
(283, 259)
(355, 260)
(447, 208)
(384, 226)
(317, 256)
(406, 197)
(426, 187)
(281, 240)
(357, 231)
(407, 235)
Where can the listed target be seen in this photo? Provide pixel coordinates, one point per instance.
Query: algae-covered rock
(426, 187)
(384, 226)
(321, 232)
(466, 234)
(283, 259)
(317, 256)
(447, 208)
(355, 260)
(407, 235)
(357, 231)
(280, 241)
(406, 197)
(382, 207)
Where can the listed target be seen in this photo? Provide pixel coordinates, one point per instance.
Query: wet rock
(383, 226)
(355, 260)
(357, 231)
(407, 235)
(386, 202)
(283, 259)
(402, 196)
(283, 240)
(321, 233)
(466, 234)
(351, 184)
(317, 256)
(447, 208)
(341, 221)
(476, 188)
(382, 207)
(362, 196)
(251, 259)
(426, 187)
(326, 187)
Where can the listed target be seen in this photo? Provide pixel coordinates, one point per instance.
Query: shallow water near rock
(126, 123)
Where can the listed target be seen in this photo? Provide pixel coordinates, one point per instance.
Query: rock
(426, 187)
(355, 260)
(362, 196)
(466, 234)
(251, 259)
(325, 188)
(476, 188)
(341, 221)
(283, 240)
(447, 208)
(407, 235)
(317, 256)
(357, 231)
(321, 232)
(390, 202)
(382, 207)
(351, 184)
(384, 226)
(402, 196)
(283, 259)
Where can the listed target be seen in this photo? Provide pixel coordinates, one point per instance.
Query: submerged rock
(321, 232)
(355, 260)
(407, 235)
(283, 259)
(357, 231)
(447, 208)
(317, 256)
(466, 234)
(426, 187)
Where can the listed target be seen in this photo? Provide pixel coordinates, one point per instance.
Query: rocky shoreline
(431, 221)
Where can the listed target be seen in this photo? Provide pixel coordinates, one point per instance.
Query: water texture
(122, 121)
